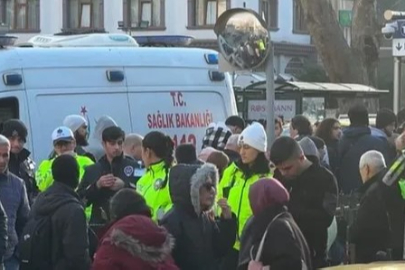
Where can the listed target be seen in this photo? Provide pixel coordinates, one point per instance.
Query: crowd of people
(142, 204)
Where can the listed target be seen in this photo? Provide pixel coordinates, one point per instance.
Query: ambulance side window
(8, 108)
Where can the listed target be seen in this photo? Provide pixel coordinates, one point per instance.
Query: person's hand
(253, 265)
(226, 212)
(118, 184)
(106, 181)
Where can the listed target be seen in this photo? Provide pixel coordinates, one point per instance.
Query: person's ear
(148, 153)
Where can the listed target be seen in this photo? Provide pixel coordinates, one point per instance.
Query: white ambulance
(178, 91)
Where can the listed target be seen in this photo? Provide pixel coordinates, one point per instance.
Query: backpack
(35, 246)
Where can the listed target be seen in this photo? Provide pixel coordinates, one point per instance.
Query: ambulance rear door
(78, 81)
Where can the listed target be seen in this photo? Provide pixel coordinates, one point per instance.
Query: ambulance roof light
(211, 58)
(85, 40)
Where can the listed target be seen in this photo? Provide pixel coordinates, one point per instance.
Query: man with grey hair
(13, 196)
(370, 233)
(371, 163)
(232, 148)
(132, 148)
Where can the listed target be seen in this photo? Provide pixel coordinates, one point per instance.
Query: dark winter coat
(23, 167)
(3, 232)
(395, 206)
(135, 242)
(285, 246)
(333, 156)
(354, 143)
(313, 201)
(13, 196)
(371, 230)
(201, 241)
(122, 167)
(70, 244)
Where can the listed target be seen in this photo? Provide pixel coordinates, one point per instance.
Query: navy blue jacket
(13, 196)
(3, 232)
(354, 143)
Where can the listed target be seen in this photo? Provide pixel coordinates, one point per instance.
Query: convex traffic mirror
(243, 38)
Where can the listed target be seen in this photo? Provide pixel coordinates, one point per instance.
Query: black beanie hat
(186, 153)
(128, 202)
(65, 169)
(14, 127)
(385, 117)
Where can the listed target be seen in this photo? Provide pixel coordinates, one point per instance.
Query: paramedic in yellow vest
(239, 176)
(157, 155)
(63, 143)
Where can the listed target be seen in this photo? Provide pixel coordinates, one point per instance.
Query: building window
(300, 24)
(203, 13)
(264, 8)
(83, 14)
(148, 14)
(20, 15)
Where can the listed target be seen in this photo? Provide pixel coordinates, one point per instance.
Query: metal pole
(397, 84)
(270, 96)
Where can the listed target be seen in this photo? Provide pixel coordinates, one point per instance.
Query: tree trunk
(366, 37)
(341, 64)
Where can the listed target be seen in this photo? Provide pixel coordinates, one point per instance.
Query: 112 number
(183, 139)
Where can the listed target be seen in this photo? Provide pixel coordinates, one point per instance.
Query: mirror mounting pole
(270, 92)
(270, 97)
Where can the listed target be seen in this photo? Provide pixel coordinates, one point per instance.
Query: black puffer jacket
(201, 241)
(23, 166)
(70, 240)
(313, 201)
(284, 247)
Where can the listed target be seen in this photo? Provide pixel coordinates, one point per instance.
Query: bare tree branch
(340, 62)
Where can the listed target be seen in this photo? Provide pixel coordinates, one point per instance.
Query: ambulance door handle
(12, 79)
(115, 75)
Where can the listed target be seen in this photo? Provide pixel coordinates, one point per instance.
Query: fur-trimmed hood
(142, 238)
(185, 182)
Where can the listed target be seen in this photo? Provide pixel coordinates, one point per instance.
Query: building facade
(195, 18)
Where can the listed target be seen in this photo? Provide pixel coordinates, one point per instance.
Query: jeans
(11, 263)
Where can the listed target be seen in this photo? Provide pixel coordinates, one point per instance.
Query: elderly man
(132, 148)
(13, 196)
(371, 231)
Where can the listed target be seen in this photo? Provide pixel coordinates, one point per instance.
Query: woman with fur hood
(201, 240)
(133, 241)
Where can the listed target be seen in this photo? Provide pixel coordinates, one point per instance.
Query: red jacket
(135, 242)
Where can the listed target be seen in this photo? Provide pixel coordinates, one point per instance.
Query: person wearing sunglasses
(201, 240)
(63, 143)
